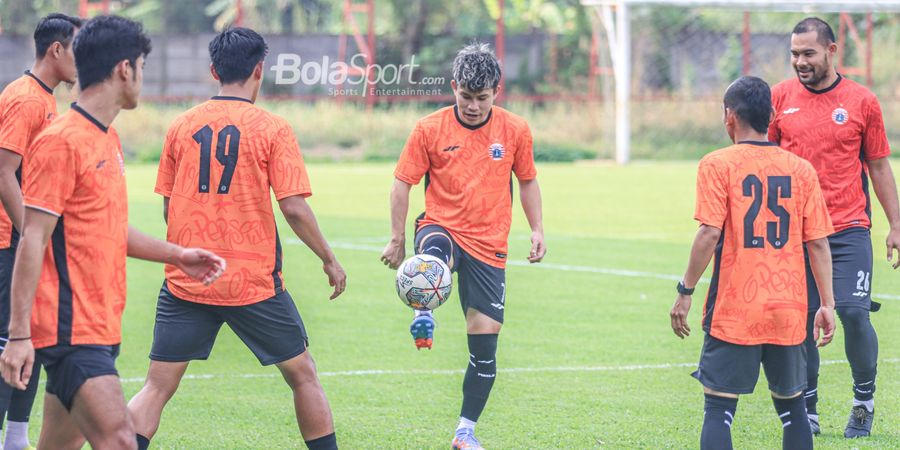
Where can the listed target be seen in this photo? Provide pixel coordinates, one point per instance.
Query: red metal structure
(848, 27)
(365, 44)
(87, 8)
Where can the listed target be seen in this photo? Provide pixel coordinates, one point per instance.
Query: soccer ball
(424, 282)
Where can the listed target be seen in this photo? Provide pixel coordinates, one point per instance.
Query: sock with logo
(811, 393)
(480, 375)
(718, 415)
(438, 245)
(795, 424)
(861, 347)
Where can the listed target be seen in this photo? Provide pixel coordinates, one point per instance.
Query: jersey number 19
(228, 159)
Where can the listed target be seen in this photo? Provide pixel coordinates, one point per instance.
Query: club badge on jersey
(497, 151)
(840, 116)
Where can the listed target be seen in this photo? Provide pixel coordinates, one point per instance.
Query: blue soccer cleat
(422, 330)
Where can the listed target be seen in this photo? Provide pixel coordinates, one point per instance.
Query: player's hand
(893, 243)
(394, 253)
(16, 363)
(201, 265)
(823, 321)
(679, 315)
(538, 249)
(336, 277)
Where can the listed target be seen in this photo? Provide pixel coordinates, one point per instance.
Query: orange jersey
(837, 130)
(468, 173)
(767, 202)
(219, 161)
(74, 170)
(26, 107)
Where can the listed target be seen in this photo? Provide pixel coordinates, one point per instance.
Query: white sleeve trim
(54, 213)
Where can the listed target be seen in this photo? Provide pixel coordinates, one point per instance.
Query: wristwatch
(683, 290)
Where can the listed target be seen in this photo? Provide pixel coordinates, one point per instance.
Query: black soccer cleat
(860, 423)
(814, 424)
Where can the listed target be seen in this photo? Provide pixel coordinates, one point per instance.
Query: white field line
(565, 267)
(377, 372)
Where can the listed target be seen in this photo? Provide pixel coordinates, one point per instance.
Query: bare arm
(10, 192)
(19, 353)
(395, 251)
(820, 263)
(701, 253)
(302, 220)
(530, 195)
(886, 191)
(196, 263)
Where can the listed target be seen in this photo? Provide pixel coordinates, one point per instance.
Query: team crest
(840, 116)
(497, 152)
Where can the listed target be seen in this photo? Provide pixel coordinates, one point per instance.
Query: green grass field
(587, 358)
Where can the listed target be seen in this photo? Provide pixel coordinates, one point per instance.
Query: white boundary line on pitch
(565, 267)
(376, 372)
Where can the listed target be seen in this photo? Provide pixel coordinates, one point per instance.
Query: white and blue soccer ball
(424, 282)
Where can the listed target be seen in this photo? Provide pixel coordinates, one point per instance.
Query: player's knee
(122, 439)
(853, 319)
(300, 371)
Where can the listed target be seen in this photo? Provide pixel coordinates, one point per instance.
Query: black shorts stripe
(865, 182)
(14, 234)
(713, 285)
(64, 327)
(276, 272)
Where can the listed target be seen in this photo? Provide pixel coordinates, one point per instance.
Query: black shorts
(68, 367)
(734, 369)
(185, 331)
(7, 258)
(851, 256)
(481, 286)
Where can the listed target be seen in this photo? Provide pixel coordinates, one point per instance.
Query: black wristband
(28, 338)
(683, 290)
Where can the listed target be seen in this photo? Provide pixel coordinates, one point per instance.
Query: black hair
(824, 33)
(55, 27)
(751, 99)
(103, 43)
(476, 68)
(235, 52)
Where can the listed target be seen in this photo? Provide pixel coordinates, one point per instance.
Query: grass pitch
(587, 358)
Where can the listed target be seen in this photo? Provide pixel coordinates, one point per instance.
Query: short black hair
(751, 99)
(235, 52)
(824, 33)
(54, 27)
(104, 42)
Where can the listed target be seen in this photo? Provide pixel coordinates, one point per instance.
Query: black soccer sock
(142, 442)
(718, 414)
(22, 401)
(811, 394)
(328, 442)
(795, 424)
(861, 346)
(437, 244)
(480, 374)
